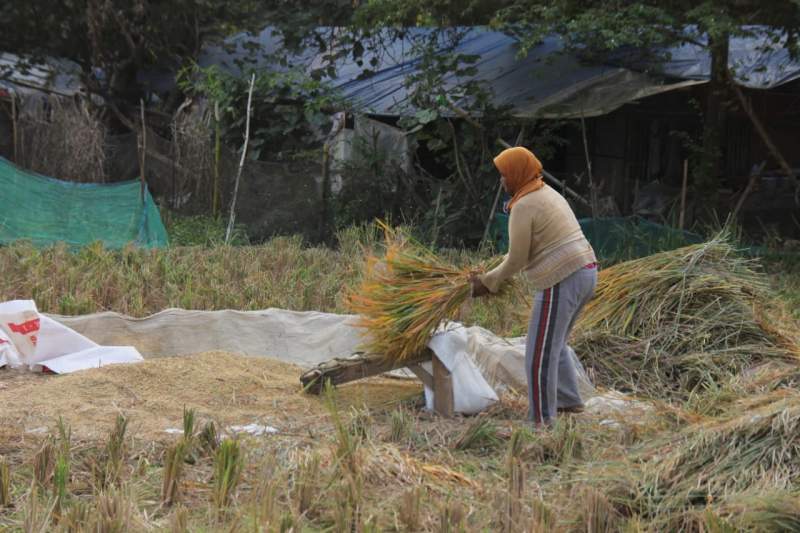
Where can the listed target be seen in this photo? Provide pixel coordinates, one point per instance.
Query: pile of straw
(666, 324)
(754, 451)
(406, 295)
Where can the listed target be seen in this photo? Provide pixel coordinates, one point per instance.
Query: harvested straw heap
(406, 295)
(746, 464)
(666, 324)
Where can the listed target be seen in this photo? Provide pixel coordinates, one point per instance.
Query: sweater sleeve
(519, 245)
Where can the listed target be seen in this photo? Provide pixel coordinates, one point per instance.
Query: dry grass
(65, 140)
(283, 273)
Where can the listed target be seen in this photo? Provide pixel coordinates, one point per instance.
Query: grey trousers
(550, 363)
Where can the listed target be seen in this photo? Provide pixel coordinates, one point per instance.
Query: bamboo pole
(518, 142)
(571, 192)
(492, 212)
(217, 156)
(762, 132)
(682, 217)
(232, 217)
(463, 114)
(751, 183)
(142, 151)
(592, 191)
(435, 233)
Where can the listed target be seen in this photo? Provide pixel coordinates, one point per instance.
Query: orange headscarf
(522, 170)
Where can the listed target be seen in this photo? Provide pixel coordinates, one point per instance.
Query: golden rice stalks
(406, 295)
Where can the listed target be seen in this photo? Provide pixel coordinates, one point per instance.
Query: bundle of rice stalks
(665, 324)
(406, 295)
(756, 451)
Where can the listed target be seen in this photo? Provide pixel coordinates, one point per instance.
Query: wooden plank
(442, 389)
(341, 371)
(423, 375)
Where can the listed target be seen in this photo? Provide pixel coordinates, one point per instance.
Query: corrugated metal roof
(57, 76)
(547, 82)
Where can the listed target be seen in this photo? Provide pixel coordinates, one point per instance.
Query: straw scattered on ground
(229, 388)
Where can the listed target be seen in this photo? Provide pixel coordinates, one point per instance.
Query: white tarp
(28, 339)
(483, 365)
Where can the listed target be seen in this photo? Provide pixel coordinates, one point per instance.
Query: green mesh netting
(44, 211)
(615, 239)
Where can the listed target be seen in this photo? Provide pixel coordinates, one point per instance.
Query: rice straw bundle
(755, 450)
(665, 324)
(406, 295)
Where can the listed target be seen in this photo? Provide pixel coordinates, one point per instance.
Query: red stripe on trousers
(537, 355)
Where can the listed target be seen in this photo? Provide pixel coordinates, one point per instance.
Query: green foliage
(481, 435)
(594, 26)
(120, 36)
(208, 438)
(108, 470)
(5, 484)
(173, 471)
(227, 472)
(202, 230)
(289, 108)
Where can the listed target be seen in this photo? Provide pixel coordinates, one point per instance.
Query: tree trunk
(714, 122)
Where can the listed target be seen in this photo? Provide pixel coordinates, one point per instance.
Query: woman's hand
(478, 288)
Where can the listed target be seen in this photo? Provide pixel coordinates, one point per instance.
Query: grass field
(89, 451)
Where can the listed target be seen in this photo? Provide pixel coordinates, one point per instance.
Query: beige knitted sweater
(545, 240)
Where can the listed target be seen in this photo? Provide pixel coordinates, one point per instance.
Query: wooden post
(327, 192)
(442, 389)
(682, 217)
(241, 161)
(14, 130)
(142, 152)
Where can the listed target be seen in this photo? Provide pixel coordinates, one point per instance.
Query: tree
(599, 27)
(596, 29)
(120, 37)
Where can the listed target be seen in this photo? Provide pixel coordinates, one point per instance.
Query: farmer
(546, 242)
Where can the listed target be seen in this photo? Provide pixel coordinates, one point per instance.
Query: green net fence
(615, 239)
(45, 211)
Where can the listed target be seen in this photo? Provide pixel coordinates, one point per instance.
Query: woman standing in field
(546, 242)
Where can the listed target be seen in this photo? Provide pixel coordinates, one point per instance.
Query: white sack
(471, 393)
(39, 342)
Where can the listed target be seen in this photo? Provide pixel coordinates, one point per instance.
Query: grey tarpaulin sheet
(302, 338)
(755, 60)
(547, 82)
